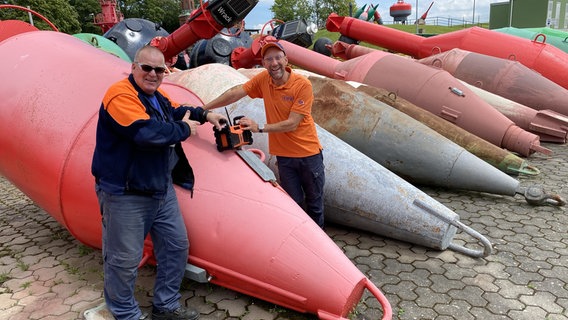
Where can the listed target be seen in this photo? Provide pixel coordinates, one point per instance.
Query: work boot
(180, 313)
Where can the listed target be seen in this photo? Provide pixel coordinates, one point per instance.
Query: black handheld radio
(232, 136)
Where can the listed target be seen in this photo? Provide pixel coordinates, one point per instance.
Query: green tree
(87, 11)
(289, 10)
(315, 11)
(58, 12)
(164, 12)
(323, 8)
(170, 21)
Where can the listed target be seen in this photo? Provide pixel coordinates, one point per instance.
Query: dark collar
(135, 85)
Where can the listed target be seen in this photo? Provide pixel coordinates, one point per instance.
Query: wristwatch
(261, 128)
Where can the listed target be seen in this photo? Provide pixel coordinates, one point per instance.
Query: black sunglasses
(148, 68)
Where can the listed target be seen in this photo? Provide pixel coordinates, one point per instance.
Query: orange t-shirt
(295, 95)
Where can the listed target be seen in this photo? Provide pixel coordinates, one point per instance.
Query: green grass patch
(4, 277)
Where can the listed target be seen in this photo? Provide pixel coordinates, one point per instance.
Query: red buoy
(400, 10)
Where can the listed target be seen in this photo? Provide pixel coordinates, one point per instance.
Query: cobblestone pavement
(47, 274)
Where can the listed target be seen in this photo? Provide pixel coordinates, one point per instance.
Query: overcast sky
(455, 9)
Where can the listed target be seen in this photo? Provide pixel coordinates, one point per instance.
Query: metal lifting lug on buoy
(537, 196)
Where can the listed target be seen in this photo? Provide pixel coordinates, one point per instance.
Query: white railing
(441, 21)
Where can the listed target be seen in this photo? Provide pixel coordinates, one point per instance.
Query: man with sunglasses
(138, 156)
(292, 132)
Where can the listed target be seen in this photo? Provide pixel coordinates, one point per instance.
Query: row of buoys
(433, 90)
(400, 10)
(546, 59)
(534, 102)
(368, 12)
(359, 192)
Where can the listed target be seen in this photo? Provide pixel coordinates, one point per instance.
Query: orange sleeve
(253, 86)
(122, 103)
(126, 109)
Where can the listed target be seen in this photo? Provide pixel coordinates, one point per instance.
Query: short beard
(277, 75)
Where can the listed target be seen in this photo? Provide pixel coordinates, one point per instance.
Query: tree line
(315, 11)
(77, 16)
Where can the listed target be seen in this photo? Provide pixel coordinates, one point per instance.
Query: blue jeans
(127, 219)
(303, 179)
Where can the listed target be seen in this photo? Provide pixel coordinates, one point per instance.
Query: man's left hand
(248, 124)
(215, 119)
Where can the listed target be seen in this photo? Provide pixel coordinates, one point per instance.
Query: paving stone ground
(46, 274)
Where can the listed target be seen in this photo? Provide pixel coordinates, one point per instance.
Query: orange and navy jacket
(138, 148)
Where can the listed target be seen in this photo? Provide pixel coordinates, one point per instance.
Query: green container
(104, 44)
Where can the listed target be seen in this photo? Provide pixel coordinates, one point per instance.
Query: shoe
(180, 313)
(144, 316)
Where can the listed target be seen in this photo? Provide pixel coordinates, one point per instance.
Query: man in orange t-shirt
(292, 131)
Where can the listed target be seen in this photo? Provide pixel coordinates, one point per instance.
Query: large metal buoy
(51, 106)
